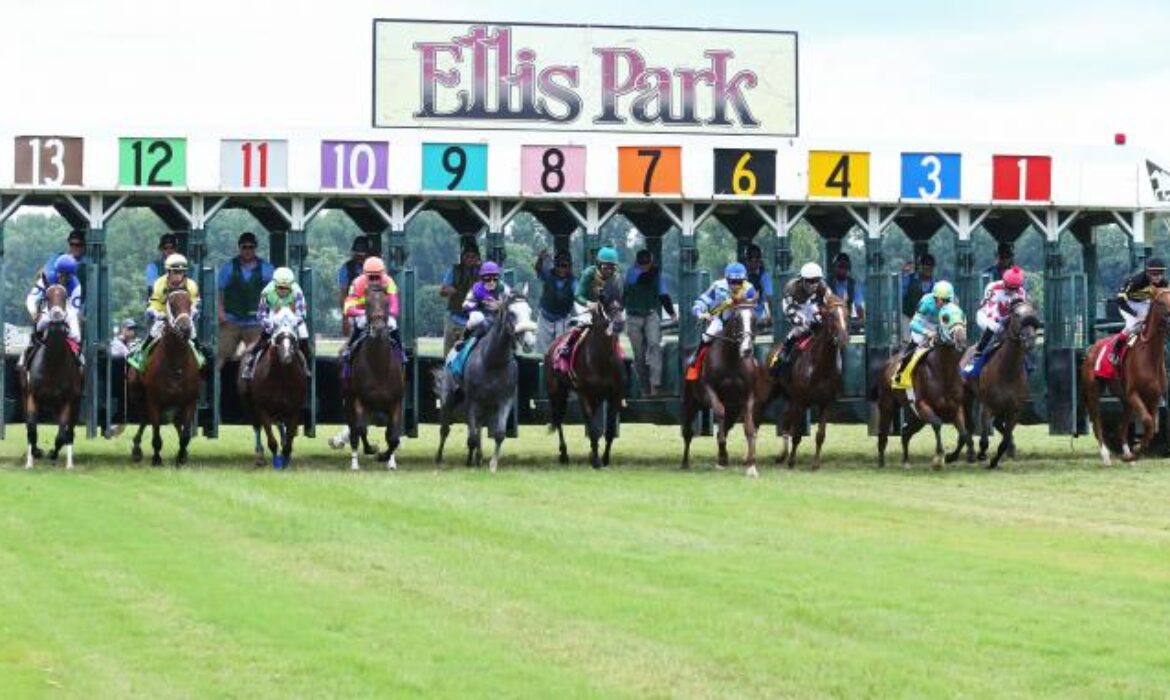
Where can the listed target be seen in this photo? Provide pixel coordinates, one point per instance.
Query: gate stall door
(1065, 302)
(309, 287)
(883, 324)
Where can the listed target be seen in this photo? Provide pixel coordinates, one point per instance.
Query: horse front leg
(1007, 429)
(1146, 416)
(156, 440)
(499, 432)
(749, 432)
(356, 420)
(273, 443)
(30, 426)
(257, 446)
(720, 413)
(822, 419)
(136, 451)
(912, 425)
(590, 408)
(1091, 395)
(558, 401)
(183, 426)
(612, 413)
(288, 436)
(393, 437)
(64, 435)
(474, 450)
(444, 430)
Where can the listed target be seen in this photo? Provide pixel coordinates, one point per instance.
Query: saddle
(907, 376)
(37, 342)
(1103, 368)
(140, 354)
(457, 359)
(348, 351)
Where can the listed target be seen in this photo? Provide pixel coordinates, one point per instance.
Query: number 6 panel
(454, 167)
(552, 170)
(745, 173)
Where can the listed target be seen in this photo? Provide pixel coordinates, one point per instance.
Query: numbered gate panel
(253, 164)
(1021, 178)
(838, 174)
(552, 170)
(745, 172)
(355, 165)
(152, 162)
(648, 170)
(454, 167)
(48, 161)
(931, 177)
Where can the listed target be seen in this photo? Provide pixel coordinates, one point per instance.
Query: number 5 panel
(931, 176)
(552, 170)
(454, 167)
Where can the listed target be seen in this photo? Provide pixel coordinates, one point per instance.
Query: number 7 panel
(648, 170)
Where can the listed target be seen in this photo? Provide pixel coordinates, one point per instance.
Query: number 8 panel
(552, 170)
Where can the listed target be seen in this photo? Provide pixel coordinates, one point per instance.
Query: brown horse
(1000, 390)
(598, 377)
(52, 379)
(376, 382)
(276, 392)
(170, 381)
(936, 395)
(813, 380)
(1141, 384)
(732, 384)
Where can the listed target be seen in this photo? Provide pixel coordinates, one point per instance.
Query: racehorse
(276, 392)
(489, 379)
(1140, 385)
(170, 380)
(813, 380)
(1000, 390)
(936, 395)
(596, 374)
(732, 384)
(376, 381)
(52, 379)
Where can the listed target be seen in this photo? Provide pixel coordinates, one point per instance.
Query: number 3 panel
(552, 169)
(931, 176)
(745, 172)
(454, 167)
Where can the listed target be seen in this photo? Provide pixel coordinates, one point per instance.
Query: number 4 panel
(454, 167)
(745, 172)
(648, 170)
(552, 169)
(838, 174)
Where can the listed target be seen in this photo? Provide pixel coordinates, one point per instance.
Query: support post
(3, 348)
(204, 275)
(95, 332)
(781, 273)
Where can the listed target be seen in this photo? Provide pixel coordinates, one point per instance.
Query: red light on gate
(1119, 139)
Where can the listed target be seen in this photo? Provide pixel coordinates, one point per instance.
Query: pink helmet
(1013, 277)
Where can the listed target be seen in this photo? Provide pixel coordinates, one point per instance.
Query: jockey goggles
(490, 278)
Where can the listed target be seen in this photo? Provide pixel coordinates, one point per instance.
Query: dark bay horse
(813, 380)
(52, 379)
(1140, 385)
(732, 384)
(376, 382)
(937, 393)
(170, 381)
(276, 392)
(488, 388)
(998, 394)
(597, 375)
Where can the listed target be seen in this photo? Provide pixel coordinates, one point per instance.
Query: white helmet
(811, 271)
(284, 277)
(175, 261)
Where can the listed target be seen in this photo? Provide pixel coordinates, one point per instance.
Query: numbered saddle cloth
(907, 376)
(1103, 368)
(141, 353)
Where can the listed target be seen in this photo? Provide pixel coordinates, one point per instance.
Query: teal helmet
(607, 255)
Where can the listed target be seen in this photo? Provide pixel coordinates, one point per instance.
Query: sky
(1034, 72)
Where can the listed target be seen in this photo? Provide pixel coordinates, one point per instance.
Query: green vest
(462, 279)
(277, 302)
(240, 296)
(641, 297)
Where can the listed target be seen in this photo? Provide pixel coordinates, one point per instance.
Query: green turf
(1050, 578)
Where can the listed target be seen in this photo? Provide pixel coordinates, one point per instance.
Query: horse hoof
(392, 464)
(752, 472)
(156, 461)
(1129, 458)
(53, 455)
(563, 458)
(950, 459)
(971, 459)
(992, 465)
(259, 461)
(816, 465)
(371, 449)
(492, 465)
(906, 464)
(136, 455)
(936, 464)
(37, 453)
(277, 462)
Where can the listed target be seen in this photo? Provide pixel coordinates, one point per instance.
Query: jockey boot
(1118, 344)
(907, 353)
(972, 368)
(303, 346)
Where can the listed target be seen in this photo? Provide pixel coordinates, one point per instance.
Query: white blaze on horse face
(525, 327)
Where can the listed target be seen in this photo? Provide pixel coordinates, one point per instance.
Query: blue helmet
(66, 265)
(735, 271)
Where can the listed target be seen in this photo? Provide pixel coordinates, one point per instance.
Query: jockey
(175, 279)
(1133, 300)
(599, 284)
(716, 305)
(373, 272)
(483, 300)
(923, 325)
(64, 274)
(282, 292)
(804, 301)
(993, 313)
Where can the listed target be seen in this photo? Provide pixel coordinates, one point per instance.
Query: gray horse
(489, 378)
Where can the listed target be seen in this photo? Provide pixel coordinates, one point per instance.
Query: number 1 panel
(745, 172)
(152, 162)
(1021, 178)
(931, 176)
(648, 170)
(253, 164)
(454, 167)
(552, 170)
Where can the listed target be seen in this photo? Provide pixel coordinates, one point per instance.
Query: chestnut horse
(732, 384)
(276, 392)
(52, 379)
(813, 380)
(376, 382)
(936, 395)
(170, 380)
(1140, 385)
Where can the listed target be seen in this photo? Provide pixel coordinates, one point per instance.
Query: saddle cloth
(139, 355)
(1102, 367)
(907, 381)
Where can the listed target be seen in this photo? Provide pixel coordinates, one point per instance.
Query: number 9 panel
(552, 169)
(454, 167)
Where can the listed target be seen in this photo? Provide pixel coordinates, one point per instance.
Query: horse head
(56, 304)
(952, 326)
(284, 336)
(516, 315)
(179, 319)
(1159, 316)
(834, 322)
(608, 313)
(1023, 323)
(377, 311)
(741, 328)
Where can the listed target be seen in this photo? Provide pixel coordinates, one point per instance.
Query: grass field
(1049, 578)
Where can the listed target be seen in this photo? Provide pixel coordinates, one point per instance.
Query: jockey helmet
(607, 256)
(943, 290)
(284, 278)
(1155, 264)
(66, 265)
(1013, 277)
(735, 271)
(489, 269)
(373, 266)
(811, 271)
(176, 262)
